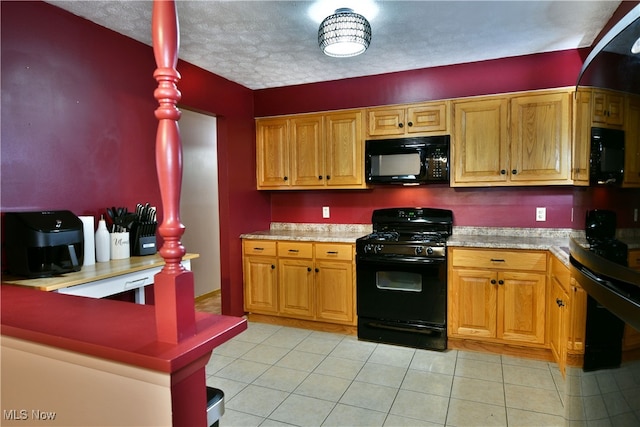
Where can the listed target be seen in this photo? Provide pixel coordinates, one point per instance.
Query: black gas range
(402, 277)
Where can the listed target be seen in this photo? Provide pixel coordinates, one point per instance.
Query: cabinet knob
(308, 268)
(286, 178)
(273, 267)
(317, 270)
(500, 282)
(559, 302)
(400, 125)
(514, 171)
(493, 281)
(410, 124)
(503, 172)
(319, 176)
(328, 176)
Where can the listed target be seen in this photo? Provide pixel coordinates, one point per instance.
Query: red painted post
(173, 286)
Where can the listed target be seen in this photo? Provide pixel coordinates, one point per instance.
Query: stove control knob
(419, 250)
(377, 249)
(368, 249)
(430, 250)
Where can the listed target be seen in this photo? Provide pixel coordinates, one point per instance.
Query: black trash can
(215, 406)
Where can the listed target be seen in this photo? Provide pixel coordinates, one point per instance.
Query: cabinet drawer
(295, 250)
(329, 251)
(500, 260)
(260, 247)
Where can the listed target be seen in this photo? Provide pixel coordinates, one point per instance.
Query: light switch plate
(325, 212)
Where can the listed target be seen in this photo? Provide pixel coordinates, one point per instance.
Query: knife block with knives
(143, 231)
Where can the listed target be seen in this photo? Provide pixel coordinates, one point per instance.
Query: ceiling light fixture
(344, 34)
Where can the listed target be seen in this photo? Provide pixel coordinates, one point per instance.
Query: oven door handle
(420, 329)
(378, 260)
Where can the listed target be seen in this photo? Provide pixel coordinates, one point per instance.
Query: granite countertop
(337, 233)
(555, 240)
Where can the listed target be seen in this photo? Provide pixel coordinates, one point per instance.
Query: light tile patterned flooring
(279, 376)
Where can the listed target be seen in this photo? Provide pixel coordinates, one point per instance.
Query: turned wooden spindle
(173, 286)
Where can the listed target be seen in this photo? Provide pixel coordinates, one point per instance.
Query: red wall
(503, 207)
(78, 130)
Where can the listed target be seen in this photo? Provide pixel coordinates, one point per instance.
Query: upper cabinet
(512, 140)
(607, 108)
(407, 120)
(310, 151)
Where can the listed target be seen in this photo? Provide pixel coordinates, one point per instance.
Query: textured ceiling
(263, 44)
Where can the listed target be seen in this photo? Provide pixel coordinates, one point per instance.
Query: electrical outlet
(325, 212)
(541, 214)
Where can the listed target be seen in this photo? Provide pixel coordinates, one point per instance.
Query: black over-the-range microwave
(420, 160)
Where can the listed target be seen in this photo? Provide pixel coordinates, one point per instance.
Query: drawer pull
(135, 283)
(496, 260)
(332, 252)
(258, 249)
(294, 250)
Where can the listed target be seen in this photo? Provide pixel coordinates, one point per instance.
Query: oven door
(402, 289)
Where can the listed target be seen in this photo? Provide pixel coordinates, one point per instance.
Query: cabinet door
(608, 108)
(521, 306)
(386, 121)
(632, 144)
(581, 138)
(479, 149)
(427, 118)
(334, 291)
(296, 287)
(260, 285)
(344, 161)
(272, 156)
(577, 318)
(472, 303)
(307, 151)
(634, 259)
(559, 322)
(540, 138)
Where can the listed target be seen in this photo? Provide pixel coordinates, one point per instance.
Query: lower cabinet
(497, 295)
(302, 280)
(260, 276)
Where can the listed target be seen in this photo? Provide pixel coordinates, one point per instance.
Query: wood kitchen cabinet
(260, 276)
(310, 151)
(581, 144)
(512, 140)
(632, 143)
(408, 120)
(272, 167)
(567, 316)
(303, 280)
(480, 141)
(607, 108)
(497, 295)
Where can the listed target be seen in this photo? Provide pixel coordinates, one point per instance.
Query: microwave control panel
(437, 163)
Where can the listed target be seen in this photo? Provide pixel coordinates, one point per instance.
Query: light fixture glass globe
(344, 34)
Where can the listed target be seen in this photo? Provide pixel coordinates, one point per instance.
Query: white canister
(102, 242)
(88, 222)
(120, 245)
